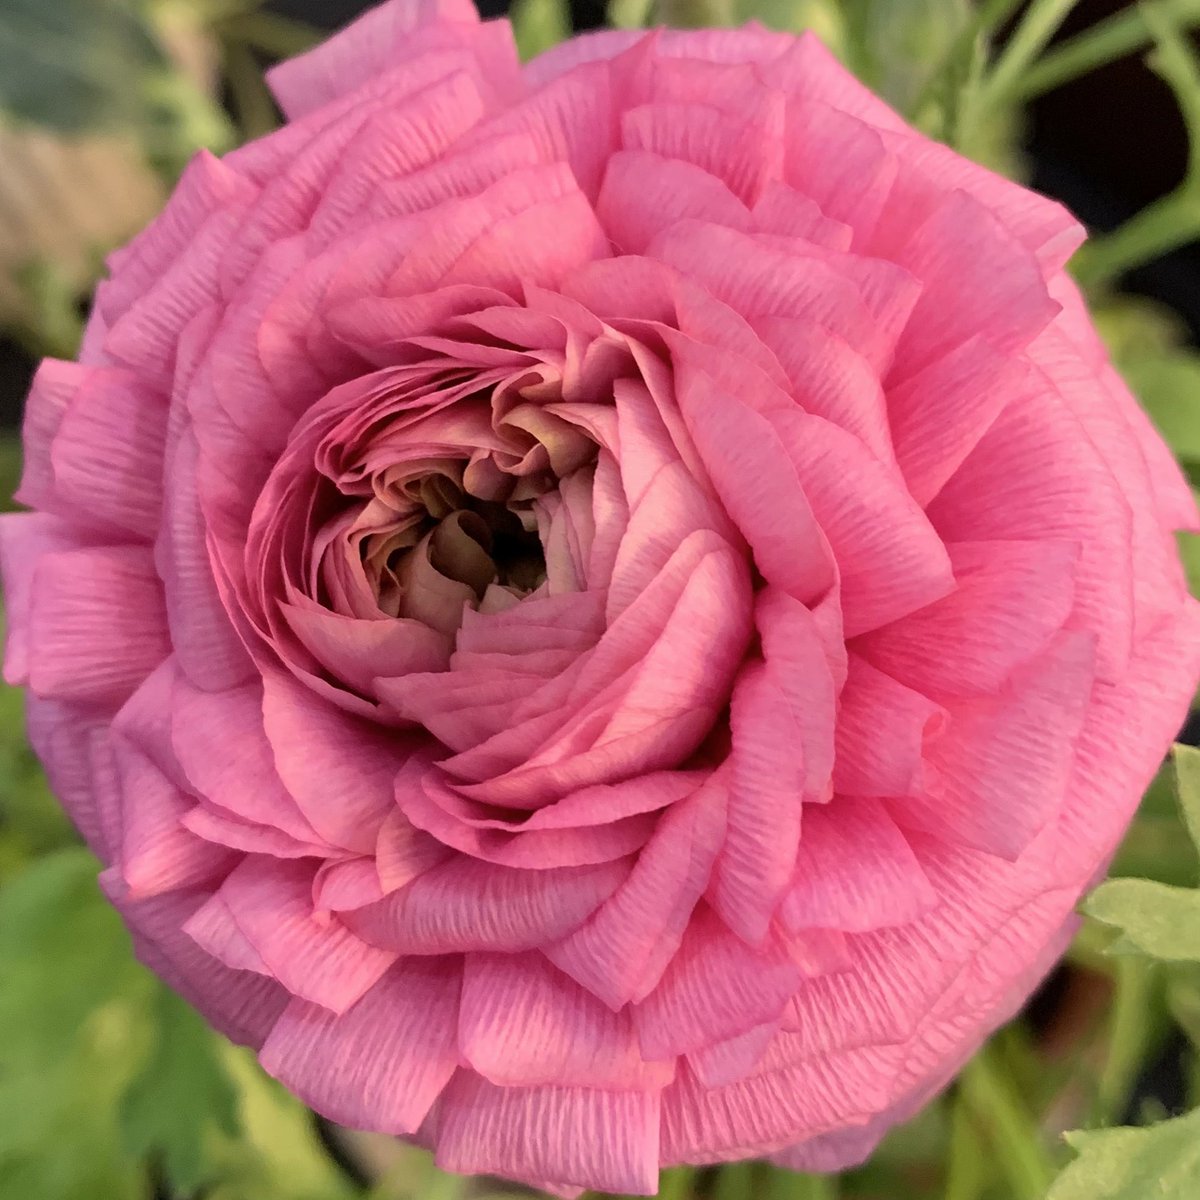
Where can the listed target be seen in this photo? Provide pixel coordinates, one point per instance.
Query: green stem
(277, 36)
(735, 1181)
(49, 322)
(1130, 1031)
(966, 1171)
(694, 14)
(788, 1185)
(988, 18)
(1121, 34)
(677, 1184)
(1020, 1154)
(1159, 228)
(1029, 39)
(252, 103)
(1173, 220)
(1175, 61)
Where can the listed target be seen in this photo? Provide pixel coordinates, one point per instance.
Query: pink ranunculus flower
(599, 614)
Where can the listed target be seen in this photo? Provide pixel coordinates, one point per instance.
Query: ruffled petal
(382, 1065)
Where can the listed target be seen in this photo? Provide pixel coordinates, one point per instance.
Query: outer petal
(564, 1135)
(523, 1023)
(367, 47)
(382, 1065)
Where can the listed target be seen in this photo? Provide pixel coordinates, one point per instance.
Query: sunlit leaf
(1156, 846)
(1154, 919)
(74, 64)
(181, 1095)
(1187, 774)
(1159, 1163)
(278, 1156)
(1168, 387)
(70, 995)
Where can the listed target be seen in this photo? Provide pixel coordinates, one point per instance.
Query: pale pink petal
(645, 193)
(54, 386)
(61, 735)
(218, 825)
(830, 379)
(716, 987)
(98, 625)
(368, 46)
(241, 779)
(339, 769)
(968, 643)
(345, 883)
(799, 665)
(381, 1065)
(522, 1023)
(208, 185)
(402, 851)
(743, 149)
(619, 954)
(465, 904)
(1013, 307)
(766, 792)
(752, 472)
(25, 538)
(929, 170)
(890, 559)
(841, 162)
(563, 1135)
(208, 648)
(783, 211)
(158, 853)
(810, 72)
(107, 454)
(854, 871)
(938, 415)
(394, 143)
(1002, 766)
(883, 732)
(574, 118)
(214, 930)
(744, 1119)
(1035, 475)
(324, 963)
(734, 1058)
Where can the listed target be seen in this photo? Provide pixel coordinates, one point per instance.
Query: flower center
(445, 533)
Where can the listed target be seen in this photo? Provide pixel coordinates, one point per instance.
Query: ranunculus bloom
(603, 614)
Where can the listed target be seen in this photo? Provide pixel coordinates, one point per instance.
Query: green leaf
(279, 1156)
(1168, 387)
(181, 1095)
(1156, 845)
(1155, 919)
(896, 45)
(1162, 1162)
(825, 18)
(539, 24)
(71, 998)
(74, 64)
(1187, 776)
(735, 1181)
(1004, 1119)
(1135, 328)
